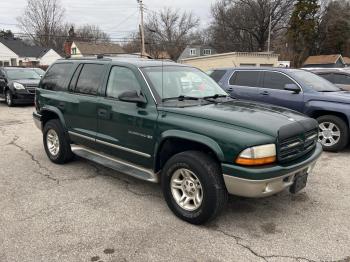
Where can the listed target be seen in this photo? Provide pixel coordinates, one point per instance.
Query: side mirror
(292, 87)
(2, 81)
(132, 97)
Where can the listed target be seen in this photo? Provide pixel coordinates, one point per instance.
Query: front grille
(297, 146)
(31, 88)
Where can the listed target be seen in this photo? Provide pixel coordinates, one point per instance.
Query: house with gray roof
(15, 52)
(192, 51)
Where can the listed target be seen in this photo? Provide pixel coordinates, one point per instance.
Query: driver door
(273, 91)
(126, 129)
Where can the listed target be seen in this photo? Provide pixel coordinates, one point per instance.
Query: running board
(115, 163)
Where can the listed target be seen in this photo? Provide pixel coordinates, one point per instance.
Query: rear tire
(56, 144)
(193, 187)
(333, 133)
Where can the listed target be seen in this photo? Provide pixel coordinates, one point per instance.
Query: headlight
(18, 86)
(257, 155)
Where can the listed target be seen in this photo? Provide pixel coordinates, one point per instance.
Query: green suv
(169, 123)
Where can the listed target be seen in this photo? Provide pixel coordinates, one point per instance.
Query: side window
(217, 75)
(89, 79)
(56, 77)
(245, 78)
(121, 79)
(342, 79)
(329, 77)
(274, 80)
(74, 80)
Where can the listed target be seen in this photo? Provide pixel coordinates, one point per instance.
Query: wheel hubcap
(8, 98)
(329, 134)
(52, 141)
(186, 189)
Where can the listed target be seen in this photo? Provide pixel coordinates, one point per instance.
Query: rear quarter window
(55, 78)
(245, 78)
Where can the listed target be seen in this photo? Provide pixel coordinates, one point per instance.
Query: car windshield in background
(22, 73)
(182, 82)
(315, 82)
(39, 71)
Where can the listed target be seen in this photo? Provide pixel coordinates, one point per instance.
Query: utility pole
(142, 31)
(269, 38)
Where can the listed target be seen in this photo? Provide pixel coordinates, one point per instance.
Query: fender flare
(56, 111)
(207, 141)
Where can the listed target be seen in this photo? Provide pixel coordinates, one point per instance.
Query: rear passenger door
(244, 84)
(273, 91)
(80, 106)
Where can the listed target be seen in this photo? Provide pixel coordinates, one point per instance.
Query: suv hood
(338, 97)
(31, 82)
(262, 118)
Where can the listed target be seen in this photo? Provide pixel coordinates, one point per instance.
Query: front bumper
(23, 96)
(266, 181)
(37, 120)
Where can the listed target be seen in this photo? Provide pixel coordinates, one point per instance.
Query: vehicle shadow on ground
(3, 104)
(237, 208)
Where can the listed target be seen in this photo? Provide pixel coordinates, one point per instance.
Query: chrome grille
(297, 146)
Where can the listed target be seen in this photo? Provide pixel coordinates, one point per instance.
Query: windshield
(39, 71)
(22, 73)
(179, 81)
(315, 82)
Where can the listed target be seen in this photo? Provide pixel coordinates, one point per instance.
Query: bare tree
(42, 22)
(91, 33)
(244, 24)
(169, 31)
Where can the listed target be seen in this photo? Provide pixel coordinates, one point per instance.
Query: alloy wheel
(52, 141)
(186, 189)
(8, 98)
(329, 134)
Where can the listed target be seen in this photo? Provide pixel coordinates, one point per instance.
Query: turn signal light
(255, 161)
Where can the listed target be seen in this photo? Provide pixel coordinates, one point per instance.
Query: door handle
(230, 89)
(102, 113)
(264, 93)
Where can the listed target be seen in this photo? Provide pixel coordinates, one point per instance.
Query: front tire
(56, 145)
(193, 187)
(9, 98)
(333, 133)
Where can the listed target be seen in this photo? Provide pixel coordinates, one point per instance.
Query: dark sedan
(17, 85)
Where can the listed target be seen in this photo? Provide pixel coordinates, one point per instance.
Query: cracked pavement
(82, 211)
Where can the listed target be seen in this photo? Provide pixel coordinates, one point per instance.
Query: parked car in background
(299, 90)
(39, 71)
(17, 85)
(169, 123)
(339, 77)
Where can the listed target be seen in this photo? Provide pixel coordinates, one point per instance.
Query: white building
(15, 52)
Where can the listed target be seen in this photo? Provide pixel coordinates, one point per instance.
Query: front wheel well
(319, 113)
(173, 146)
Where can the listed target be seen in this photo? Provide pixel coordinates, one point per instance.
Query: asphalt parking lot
(84, 212)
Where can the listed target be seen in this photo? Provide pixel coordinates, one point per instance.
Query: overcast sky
(116, 17)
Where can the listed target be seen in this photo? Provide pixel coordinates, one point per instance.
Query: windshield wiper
(180, 98)
(214, 97)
